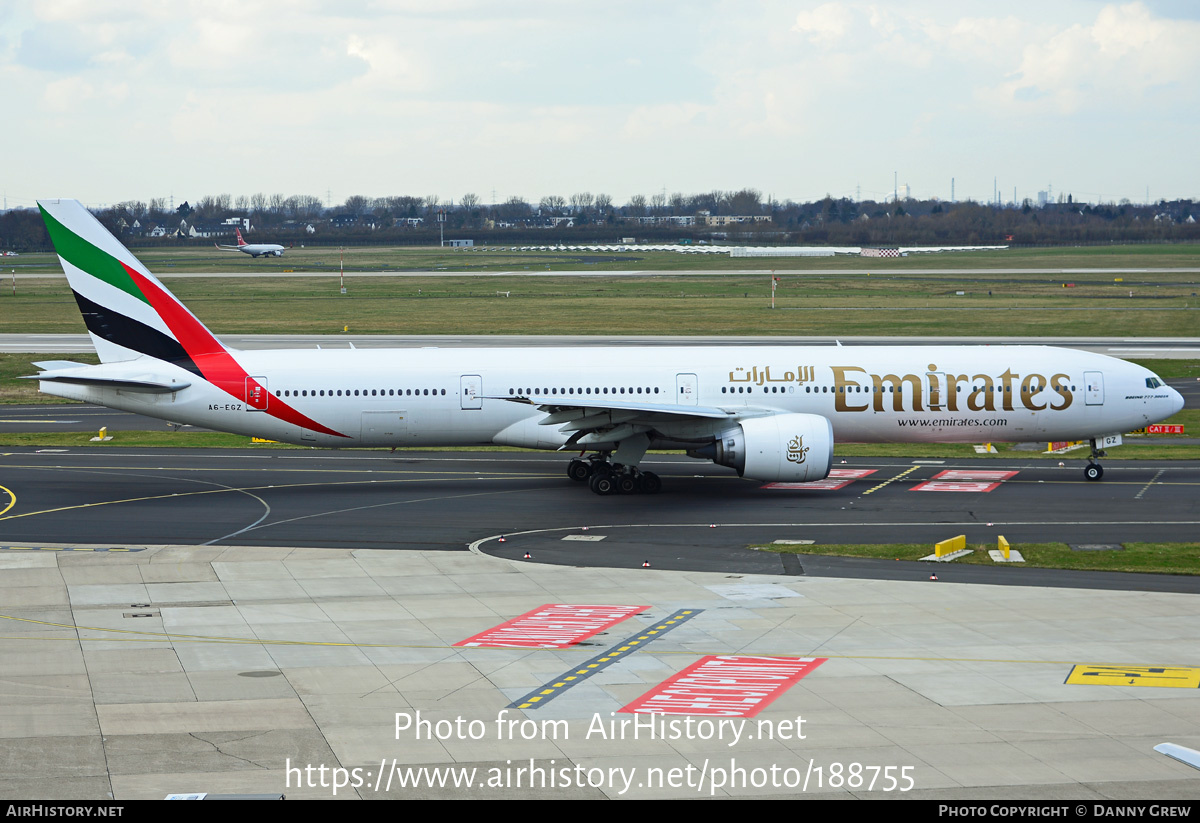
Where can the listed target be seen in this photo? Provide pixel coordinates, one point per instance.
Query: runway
(703, 520)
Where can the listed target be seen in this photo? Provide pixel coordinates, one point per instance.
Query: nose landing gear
(1094, 471)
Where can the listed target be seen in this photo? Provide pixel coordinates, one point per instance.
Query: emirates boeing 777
(772, 413)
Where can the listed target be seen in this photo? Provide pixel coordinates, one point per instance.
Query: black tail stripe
(132, 334)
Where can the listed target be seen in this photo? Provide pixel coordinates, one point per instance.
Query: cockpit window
(1153, 382)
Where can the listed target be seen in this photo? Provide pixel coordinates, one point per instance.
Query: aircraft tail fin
(128, 312)
(238, 232)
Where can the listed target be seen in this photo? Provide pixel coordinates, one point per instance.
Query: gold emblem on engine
(796, 450)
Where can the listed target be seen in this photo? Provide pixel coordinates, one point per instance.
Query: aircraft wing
(593, 421)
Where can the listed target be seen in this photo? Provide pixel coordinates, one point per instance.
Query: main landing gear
(1094, 470)
(604, 477)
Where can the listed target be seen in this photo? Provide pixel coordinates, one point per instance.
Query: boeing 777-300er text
(253, 249)
(771, 413)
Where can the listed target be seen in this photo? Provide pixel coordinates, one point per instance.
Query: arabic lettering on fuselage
(802, 375)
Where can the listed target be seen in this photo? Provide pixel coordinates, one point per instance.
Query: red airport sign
(969, 480)
(725, 686)
(553, 626)
(837, 479)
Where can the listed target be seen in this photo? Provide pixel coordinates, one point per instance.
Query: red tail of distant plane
(238, 232)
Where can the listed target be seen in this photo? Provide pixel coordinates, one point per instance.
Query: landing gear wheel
(602, 483)
(579, 470)
(649, 483)
(627, 483)
(1094, 471)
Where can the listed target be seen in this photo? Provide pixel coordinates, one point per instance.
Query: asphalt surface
(79, 417)
(702, 521)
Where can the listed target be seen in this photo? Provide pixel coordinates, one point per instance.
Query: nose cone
(1176, 401)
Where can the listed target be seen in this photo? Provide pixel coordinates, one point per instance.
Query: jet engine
(781, 447)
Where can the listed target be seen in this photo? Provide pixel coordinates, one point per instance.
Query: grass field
(875, 302)
(1156, 558)
(203, 258)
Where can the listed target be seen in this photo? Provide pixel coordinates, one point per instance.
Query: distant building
(191, 230)
(731, 219)
(461, 244)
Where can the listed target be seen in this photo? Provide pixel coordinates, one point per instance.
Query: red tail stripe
(215, 363)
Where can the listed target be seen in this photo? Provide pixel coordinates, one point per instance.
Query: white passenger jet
(253, 249)
(771, 413)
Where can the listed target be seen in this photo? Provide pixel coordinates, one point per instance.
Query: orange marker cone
(933, 576)
(645, 564)
(501, 540)
(528, 556)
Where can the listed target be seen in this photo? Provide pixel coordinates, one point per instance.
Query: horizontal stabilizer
(55, 365)
(127, 376)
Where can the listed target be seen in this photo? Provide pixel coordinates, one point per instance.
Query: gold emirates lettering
(936, 391)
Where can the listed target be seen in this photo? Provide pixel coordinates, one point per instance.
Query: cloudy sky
(109, 101)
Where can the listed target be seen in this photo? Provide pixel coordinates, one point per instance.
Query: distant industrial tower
(951, 189)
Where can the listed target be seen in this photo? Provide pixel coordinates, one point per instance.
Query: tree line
(585, 217)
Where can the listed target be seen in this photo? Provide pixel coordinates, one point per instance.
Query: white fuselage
(465, 396)
(260, 249)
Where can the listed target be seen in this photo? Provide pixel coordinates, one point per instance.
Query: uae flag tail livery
(148, 342)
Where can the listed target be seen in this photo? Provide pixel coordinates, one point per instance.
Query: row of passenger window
(360, 393)
(551, 391)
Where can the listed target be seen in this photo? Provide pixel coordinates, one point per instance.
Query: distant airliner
(771, 413)
(253, 249)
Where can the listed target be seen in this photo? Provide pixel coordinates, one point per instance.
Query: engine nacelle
(781, 447)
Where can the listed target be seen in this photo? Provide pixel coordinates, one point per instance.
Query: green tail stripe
(83, 255)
